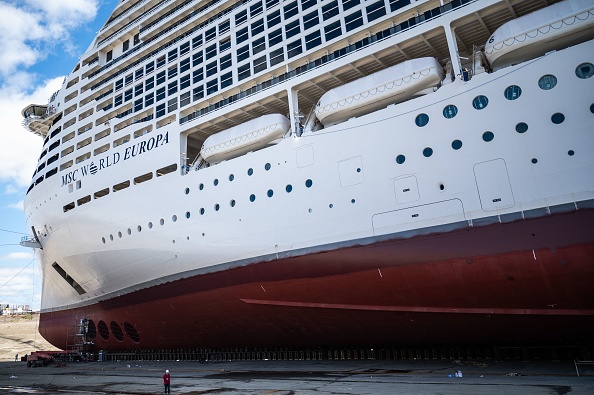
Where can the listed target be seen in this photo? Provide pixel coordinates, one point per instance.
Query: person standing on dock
(167, 382)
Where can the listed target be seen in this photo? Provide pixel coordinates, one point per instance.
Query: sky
(40, 43)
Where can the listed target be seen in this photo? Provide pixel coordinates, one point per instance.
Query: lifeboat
(555, 27)
(241, 139)
(375, 91)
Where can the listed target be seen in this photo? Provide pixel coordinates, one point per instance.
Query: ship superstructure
(334, 172)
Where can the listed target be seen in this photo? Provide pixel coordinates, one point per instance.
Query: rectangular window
(244, 71)
(128, 95)
(117, 100)
(172, 55)
(184, 82)
(226, 80)
(259, 64)
(172, 72)
(313, 40)
(138, 105)
(258, 45)
(212, 86)
(257, 27)
(333, 30)
(353, 21)
(197, 75)
(271, 3)
(184, 65)
(149, 99)
(197, 41)
(210, 34)
(149, 68)
(225, 62)
(172, 88)
(211, 68)
(273, 19)
(198, 93)
(330, 10)
(160, 78)
(128, 80)
(277, 56)
(224, 45)
(160, 110)
(160, 93)
(311, 20)
(161, 61)
(119, 84)
(275, 37)
(172, 105)
(184, 99)
(240, 17)
(242, 35)
(292, 29)
(348, 4)
(256, 9)
(184, 48)
(397, 4)
(109, 56)
(197, 59)
(137, 39)
(294, 49)
(243, 53)
(138, 89)
(126, 45)
(305, 4)
(376, 10)
(290, 10)
(149, 83)
(138, 73)
(211, 51)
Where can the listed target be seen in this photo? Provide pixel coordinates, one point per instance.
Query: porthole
(308, 183)
(584, 70)
(358, 170)
(111, 237)
(521, 127)
(353, 201)
(150, 225)
(202, 211)
(201, 186)
(139, 228)
(232, 203)
(592, 108)
(422, 120)
(103, 239)
(117, 331)
(217, 207)
(267, 166)
(129, 231)
(400, 159)
(215, 182)
(450, 111)
(174, 218)
(131, 332)
(456, 144)
(512, 92)
(330, 205)
(480, 102)
(547, 82)
(488, 136)
(557, 118)
(103, 330)
(187, 191)
(427, 152)
(188, 214)
(534, 161)
(270, 193)
(252, 197)
(162, 221)
(231, 177)
(120, 235)
(570, 152)
(250, 171)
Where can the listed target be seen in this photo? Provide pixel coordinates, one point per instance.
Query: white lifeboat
(555, 27)
(375, 91)
(241, 139)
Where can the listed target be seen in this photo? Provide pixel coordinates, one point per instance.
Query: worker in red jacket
(167, 382)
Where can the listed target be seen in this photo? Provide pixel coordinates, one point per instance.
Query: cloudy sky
(40, 43)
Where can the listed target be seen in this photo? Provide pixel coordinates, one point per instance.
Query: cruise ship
(320, 173)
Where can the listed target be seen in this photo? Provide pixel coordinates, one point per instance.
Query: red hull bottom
(529, 281)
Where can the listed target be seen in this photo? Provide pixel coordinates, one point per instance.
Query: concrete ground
(301, 377)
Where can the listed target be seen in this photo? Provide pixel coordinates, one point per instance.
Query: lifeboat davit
(375, 91)
(241, 139)
(555, 27)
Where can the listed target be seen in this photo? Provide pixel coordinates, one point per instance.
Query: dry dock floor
(301, 377)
